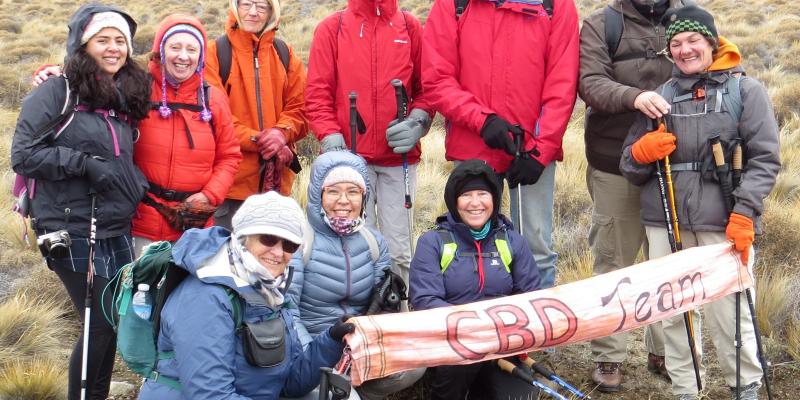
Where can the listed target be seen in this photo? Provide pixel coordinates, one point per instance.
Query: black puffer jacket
(57, 162)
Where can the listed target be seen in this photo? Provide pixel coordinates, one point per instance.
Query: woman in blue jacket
(198, 324)
(346, 258)
(473, 254)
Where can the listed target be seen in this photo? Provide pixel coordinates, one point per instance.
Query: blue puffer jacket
(197, 324)
(340, 274)
(459, 284)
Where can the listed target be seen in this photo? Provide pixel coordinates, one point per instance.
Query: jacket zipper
(347, 270)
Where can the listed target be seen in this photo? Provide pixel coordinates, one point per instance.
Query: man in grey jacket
(617, 76)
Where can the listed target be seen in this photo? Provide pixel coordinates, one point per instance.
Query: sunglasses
(272, 240)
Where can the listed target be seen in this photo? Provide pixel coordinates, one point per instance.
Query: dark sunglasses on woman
(272, 240)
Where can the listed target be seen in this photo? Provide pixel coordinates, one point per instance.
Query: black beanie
(690, 19)
(474, 182)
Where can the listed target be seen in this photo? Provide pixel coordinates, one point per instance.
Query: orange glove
(653, 146)
(741, 232)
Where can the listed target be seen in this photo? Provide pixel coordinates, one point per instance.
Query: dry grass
(30, 328)
(32, 380)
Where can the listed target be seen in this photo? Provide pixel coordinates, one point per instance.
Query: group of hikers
(199, 149)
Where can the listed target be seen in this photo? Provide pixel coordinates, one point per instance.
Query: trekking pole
(519, 373)
(402, 110)
(538, 368)
(87, 312)
(518, 134)
(727, 197)
(736, 176)
(676, 232)
(353, 121)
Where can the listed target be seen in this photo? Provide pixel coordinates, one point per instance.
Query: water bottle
(142, 303)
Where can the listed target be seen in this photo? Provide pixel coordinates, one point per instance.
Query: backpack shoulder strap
(224, 55)
(733, 96)
(449, 248)
(461, 6)
(548, 7)
(613, 29)
(283, 52)
(236, 305)
(501, 242)
(372, 242)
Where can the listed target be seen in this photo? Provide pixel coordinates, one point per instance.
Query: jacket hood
(727, 55)
(79, 20)
(204, 254)
(319, 170)
(366, 8)
(467, 170)
(272, 23)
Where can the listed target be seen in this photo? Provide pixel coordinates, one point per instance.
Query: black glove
(341, 328)
(495, 133)
(99, 174)
(524, 170)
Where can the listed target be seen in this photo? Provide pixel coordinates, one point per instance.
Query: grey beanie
(270, 214)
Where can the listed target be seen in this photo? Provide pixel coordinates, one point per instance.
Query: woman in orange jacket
(266, 100)
(187, 149)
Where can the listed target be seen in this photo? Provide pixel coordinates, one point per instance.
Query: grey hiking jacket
(609, 87)
(698, 196)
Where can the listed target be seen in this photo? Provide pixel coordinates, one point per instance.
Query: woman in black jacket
(86, 160)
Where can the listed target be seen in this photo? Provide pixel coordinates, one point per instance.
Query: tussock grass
(33, 380)
(29, 329)
(776, 294)
(42, 287)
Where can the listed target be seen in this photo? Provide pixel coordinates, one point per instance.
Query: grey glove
(332, 142)
(403, 135)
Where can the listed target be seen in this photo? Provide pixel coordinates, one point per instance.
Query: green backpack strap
(448, 248)
(236, 304)
(501, 242)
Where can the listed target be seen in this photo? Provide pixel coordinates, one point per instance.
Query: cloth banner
(588, 309)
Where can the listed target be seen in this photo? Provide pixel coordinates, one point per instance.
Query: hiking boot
(656, 365)
(749, 392)
(607, 376)
(686, 397)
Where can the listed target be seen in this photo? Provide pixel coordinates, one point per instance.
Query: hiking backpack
(24, 188)
(137, 339)
(461, 6)
(225, 55)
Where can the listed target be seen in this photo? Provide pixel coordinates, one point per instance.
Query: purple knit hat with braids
(164, 109)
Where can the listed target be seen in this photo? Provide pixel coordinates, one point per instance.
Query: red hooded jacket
(511, 60)
(163, 152)
(361, 49)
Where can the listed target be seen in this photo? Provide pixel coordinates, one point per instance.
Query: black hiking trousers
(102, 339)
(480, 381)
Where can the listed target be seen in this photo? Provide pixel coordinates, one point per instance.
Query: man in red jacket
(500, 67)
(362, 49)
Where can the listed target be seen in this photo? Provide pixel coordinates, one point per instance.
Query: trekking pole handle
(736, 165)
(400, 95)
(716, 150)
(353, 121)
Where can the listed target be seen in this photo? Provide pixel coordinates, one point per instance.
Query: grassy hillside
(36, 321)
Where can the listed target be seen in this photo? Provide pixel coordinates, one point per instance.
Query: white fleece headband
(108, 19)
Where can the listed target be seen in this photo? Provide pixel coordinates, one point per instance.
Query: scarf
(246, 267)
(343, 226)
(481, 234)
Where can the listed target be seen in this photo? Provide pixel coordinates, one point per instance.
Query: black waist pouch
(264, 342)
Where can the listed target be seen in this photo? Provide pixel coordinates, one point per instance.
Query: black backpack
(461, 6)
(225, 53)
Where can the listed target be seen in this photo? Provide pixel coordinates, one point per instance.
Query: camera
(55, 244)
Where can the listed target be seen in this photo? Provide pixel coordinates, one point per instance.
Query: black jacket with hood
(57, 158)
